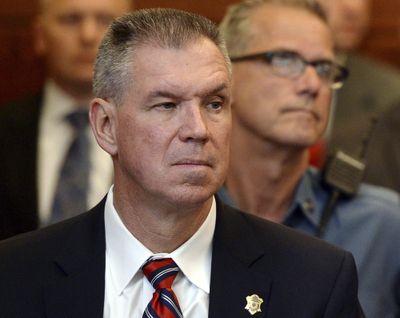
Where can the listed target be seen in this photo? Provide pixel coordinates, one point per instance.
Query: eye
(166, 106)
(325, 69)
(285, 63)
(284, 59)
(69, 19)
(215, 105)
(104, 19)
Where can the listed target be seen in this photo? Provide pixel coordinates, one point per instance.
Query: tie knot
(78, 120)
(160, 272)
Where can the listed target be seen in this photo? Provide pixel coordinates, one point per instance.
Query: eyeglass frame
(267, 57)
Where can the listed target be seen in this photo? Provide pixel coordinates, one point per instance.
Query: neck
(263, 176)
(160, 226)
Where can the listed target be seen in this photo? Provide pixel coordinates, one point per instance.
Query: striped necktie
(161, 274)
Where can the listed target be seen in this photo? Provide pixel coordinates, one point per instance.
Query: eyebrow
(169, 94)
(217, 90)
(162, 93)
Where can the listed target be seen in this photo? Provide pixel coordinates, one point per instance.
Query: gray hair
(164, 28)
(236, 25)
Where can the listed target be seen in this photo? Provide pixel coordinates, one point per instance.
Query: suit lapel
(236, 269)
(78, 287)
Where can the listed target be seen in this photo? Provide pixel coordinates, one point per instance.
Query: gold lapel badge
(253, 304)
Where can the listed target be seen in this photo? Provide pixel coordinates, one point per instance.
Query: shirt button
(308, 205)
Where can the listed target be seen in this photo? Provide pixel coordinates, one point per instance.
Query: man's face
(68, 34)
(275, 109)
(349, 20)
(173, 128)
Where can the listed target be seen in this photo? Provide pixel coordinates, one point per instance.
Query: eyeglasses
(291, 65)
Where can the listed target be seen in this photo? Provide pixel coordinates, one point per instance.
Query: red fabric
(318, 154)
(155, 266)
(161, 274)
(159, 308)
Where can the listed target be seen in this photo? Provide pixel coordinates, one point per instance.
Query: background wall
(22, 73)
(383, 41)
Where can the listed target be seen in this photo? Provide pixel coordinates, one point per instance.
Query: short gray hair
(164, 28)
(235, 26)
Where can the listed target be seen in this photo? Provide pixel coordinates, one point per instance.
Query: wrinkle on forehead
(199, 68)
(283, 27)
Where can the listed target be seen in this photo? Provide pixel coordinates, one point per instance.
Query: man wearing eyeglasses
(284, 72)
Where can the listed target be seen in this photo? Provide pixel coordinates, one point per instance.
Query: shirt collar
(308, 198)
(125, 254)
(55, 96)
(194, 256)
(305, 199)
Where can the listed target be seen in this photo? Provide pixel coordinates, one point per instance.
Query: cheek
(324, 105)
(268, 103)
(59, 38)
(142, 141)
(224, 137)
(60, 52)
(220, 147)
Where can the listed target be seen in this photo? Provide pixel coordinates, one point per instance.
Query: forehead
(114, 7)
(195, 68)
(336, 4)
(283, 27)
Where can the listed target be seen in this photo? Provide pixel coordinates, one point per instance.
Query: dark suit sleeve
(383, 152)
(343, 302)
(19, 124)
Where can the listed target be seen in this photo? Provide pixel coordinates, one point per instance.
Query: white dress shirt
(55, 137)
(127, 290)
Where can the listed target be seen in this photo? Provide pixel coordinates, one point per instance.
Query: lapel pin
(253, 304)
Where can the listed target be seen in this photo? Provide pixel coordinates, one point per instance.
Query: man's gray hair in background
(164, 28)
(236, 29)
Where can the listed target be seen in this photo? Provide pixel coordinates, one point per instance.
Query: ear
(103, 120)
(39, 37)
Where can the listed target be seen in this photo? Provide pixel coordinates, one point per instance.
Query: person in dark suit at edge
(162, 112)
(372, 87)
(37, 134)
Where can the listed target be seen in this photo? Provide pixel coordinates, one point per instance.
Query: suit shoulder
(294, 242)
(291, 239)
(39, 244)
(42, 246)
(373, 72)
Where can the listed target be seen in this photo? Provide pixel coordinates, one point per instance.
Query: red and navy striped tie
(161, 274)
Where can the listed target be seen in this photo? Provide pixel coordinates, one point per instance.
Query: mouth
(193, 162)
(85, 58)
(301, 110)
(350, 28)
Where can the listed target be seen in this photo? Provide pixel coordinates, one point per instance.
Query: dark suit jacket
(383, 154)
(18, 156)
(60, 271)
(371, 88)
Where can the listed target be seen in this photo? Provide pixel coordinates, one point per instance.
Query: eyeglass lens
(291, 64)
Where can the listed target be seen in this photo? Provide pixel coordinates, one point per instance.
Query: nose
(352, 8)
(89, 31)
(193, 124)
(309, 82)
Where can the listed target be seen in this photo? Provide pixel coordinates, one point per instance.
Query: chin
(297, 141)
(193, 195)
